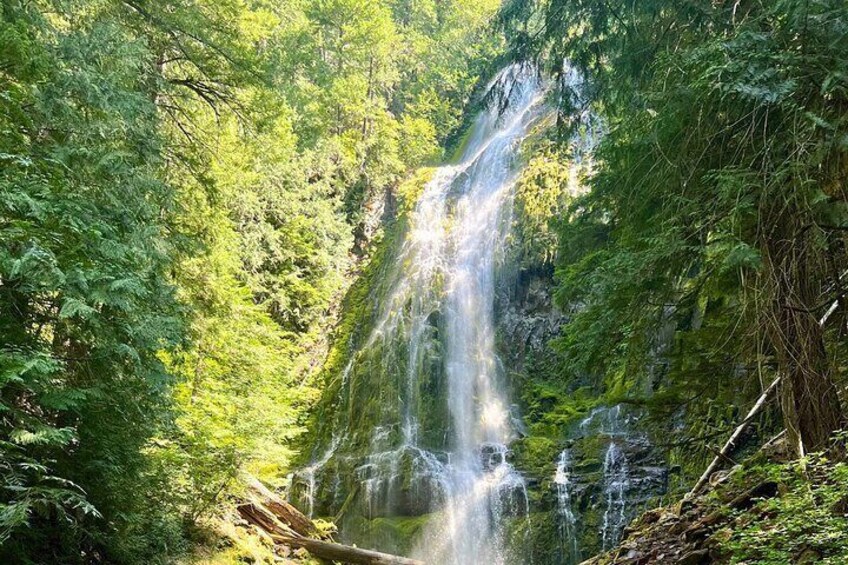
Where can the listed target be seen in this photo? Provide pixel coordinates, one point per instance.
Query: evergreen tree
(720, 186)
(84, 295)
(180, 187)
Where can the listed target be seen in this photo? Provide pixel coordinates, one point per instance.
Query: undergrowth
(806, 523)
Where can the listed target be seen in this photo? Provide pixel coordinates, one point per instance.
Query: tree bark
(257, 515)
(282, 510)
(809, 396)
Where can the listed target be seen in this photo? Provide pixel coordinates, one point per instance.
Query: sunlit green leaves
(180, 185)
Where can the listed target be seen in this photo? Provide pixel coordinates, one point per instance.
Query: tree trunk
(257, 515)
(269, 521)
(734, 437)
(344, 553)
(809, 397)
(284, 512)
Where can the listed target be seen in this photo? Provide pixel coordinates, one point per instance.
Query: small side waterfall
(616, 472)
(616, 486)
(567, 521)
(608, 473)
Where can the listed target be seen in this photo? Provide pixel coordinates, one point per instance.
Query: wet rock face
(606, 469)
(527, 317)
(616, 472)
(405, 482)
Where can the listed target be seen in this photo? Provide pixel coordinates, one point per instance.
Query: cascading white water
(439, 309)
(569, 552)
(482, 486)
(423, 424)
(631, 476)
(616, 484)
(617, 480)
(310, 472)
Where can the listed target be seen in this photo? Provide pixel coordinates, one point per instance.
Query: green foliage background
(183, 185)
(712, 226)
(188, 187)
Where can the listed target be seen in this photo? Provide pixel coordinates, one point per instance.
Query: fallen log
(344, 553)
(259, 516)
(268, 521)
(767, 489)
(731, 442)
(285, 512)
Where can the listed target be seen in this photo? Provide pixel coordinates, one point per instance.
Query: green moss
(461, 146)
(534, 539)
(356, 401)
(589, 535)
(355, 324)
(536, 455)
(393, 535)
(410, 190)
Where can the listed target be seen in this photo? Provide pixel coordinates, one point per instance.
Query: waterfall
(423, 421)
(616, 485)
(482, 486)
(435, 324)
(570, 553)
(618, 478)
(632, 473)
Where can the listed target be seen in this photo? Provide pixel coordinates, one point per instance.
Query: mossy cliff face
(382, 434)
(353, 469)
(381, 497)
(590, 467)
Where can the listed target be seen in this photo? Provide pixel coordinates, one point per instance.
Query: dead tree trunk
(259, 516)
(285, 512)
(287, 526)
(344, 553)
(734, 437)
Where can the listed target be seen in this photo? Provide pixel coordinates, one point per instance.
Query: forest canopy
(717, 210)
(183, 189)
(195, 197)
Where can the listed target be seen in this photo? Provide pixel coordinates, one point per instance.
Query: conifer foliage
(718, 208)
(181, 185)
